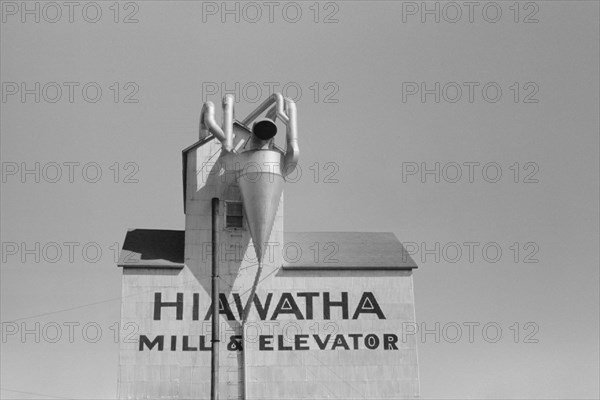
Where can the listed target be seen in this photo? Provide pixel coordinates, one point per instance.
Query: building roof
(345, 250)
(153, 248)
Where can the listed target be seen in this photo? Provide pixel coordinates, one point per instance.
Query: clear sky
(517, 90)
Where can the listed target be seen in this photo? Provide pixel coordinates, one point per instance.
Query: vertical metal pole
(214, 362)
(244, 318)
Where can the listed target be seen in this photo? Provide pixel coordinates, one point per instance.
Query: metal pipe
(214, 361)
(285, 110)
(208, 123)
(252, 292)
(271, 114)
(228, 102)
(275, 98)
(264, 129)
(292, 151)
(244, 368)
(245, 314)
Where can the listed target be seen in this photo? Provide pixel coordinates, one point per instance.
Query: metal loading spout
(264, 129)
(277, 106)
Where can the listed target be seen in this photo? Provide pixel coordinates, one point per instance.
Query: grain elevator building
(301, 315)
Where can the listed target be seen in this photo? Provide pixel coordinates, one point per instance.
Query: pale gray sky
(367, 127)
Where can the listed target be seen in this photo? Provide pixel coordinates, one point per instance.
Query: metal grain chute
(263, 167)
(261, 185)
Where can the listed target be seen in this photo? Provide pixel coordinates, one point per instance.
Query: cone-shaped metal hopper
(261, 185)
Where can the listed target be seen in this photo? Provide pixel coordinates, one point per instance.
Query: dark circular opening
(264, 129)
